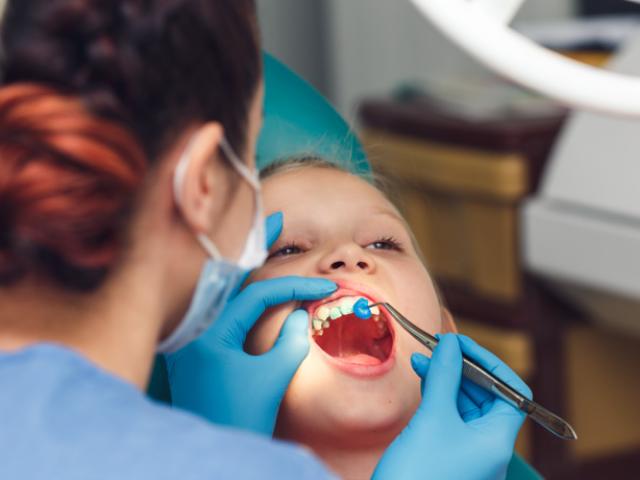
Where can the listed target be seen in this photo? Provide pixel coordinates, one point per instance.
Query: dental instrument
(478, 375)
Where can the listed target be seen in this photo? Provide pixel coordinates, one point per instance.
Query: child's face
(357, 381)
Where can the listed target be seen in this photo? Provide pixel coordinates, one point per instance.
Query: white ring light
(480, 28)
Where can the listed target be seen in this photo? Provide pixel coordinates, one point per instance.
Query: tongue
(362, 359)
(356, 341)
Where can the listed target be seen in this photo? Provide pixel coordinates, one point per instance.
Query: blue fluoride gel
(361, 309)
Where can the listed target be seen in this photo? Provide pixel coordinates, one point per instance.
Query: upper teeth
(325, 313)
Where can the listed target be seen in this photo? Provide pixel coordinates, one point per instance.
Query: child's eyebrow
(389, 213)
(397, 217)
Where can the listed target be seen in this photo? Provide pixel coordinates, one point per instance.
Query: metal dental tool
(490, 382)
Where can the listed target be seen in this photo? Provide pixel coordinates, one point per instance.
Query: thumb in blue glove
(459, 431)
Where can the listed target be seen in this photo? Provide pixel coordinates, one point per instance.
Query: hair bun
(67, 179)
(114, 76)
(71, 44)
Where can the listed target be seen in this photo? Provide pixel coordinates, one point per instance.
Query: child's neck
(356, 464)
(350, 458)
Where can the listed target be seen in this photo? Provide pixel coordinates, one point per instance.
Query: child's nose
(350, 258)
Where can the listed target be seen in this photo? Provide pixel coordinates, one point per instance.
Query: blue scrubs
(61, 417)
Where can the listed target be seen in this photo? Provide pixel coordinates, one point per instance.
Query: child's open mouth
(363, 347)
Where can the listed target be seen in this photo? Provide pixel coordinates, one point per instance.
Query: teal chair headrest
(299, 121)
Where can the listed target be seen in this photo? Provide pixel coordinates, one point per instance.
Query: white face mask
(219, 277)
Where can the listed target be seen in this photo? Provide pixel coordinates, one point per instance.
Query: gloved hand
(213, 376)
(460, 431)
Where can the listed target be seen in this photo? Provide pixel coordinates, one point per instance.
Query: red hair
(68, 180)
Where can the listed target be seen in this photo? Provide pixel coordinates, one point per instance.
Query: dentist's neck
(115, 328)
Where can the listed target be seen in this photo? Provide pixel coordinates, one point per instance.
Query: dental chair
(298, 122)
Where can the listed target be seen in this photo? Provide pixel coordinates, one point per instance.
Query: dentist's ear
(204, 185)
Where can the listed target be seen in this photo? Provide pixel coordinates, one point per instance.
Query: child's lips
(345, 288)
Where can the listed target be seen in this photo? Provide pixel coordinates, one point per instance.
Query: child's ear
(448, 324)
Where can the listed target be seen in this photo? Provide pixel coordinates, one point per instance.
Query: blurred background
(528, 214)
(358, 48)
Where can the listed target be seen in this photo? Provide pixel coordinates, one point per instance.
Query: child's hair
(294, 163)
(303, 162)
(379, 182)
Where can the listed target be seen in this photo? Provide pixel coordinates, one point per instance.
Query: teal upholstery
(298, 121)
(521, 470)
(158, 388)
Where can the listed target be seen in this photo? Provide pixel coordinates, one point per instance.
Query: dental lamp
(480, 27)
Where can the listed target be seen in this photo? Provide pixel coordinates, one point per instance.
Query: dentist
(129, 215)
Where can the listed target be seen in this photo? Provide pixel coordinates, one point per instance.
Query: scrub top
(61, 417)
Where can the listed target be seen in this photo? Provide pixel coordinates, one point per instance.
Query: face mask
(219, 277)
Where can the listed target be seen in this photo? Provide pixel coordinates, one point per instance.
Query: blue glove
(459, 431)
(213, 376)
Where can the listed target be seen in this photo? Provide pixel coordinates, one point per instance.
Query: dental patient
(356, 390)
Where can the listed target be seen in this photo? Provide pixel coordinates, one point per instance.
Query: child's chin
(367, 415)
(389, 422)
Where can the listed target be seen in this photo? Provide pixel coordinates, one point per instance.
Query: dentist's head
(127, 136)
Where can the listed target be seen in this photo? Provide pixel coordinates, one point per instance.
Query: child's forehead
(309, 194)
(312, 184)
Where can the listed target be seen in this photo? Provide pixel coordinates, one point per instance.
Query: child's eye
(386, 243)
(289, 249)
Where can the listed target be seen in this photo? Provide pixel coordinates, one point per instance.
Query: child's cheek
(265, 332)
(420, 298)
(257, 275)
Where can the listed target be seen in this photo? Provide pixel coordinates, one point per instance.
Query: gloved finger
(494, 365)
(467, 407)
(499, 412)
(479, 395)
(442, 383)
(420, 365)
(245, 310)
(292, 345)
(273, 227)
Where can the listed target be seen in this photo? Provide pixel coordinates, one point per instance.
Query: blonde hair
(295, 163)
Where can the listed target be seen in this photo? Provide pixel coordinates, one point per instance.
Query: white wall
(294, 30)
(376, 44)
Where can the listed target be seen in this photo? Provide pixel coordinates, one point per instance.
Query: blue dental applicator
(361, 309)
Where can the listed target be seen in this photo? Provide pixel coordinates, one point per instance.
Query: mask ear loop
(181, 171)
(256, 239)
(209, 246)
(178, 186)
(249, 175)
